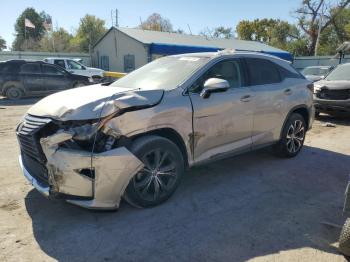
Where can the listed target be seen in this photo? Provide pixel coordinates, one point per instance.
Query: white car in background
(75, 67)
(316, 73)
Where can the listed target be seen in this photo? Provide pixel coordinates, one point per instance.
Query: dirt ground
(252, 207)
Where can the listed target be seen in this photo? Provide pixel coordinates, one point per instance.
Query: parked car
(20, 78)
(344, 239)
(135, 137)
(316, 73)
(75, 67)
(332, 95)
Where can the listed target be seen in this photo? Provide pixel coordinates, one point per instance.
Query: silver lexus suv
(134, 138)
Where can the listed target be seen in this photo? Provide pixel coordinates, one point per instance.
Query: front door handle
(288, 91)
(245, 98)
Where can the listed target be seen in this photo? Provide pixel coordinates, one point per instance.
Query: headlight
(317, 88)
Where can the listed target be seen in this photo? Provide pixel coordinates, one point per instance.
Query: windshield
(316, 71)
(341, 72)
(164, 73)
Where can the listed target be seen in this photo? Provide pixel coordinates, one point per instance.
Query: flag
(28, 23)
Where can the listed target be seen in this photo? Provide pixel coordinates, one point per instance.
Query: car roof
(231, 52)
(60, 58)
(318, 67)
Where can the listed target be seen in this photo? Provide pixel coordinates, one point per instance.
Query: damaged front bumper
(95, 181)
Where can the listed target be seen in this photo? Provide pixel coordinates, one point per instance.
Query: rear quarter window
(262, 72)
(9, 68)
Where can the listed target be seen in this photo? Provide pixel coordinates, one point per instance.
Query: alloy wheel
(295, 136)
(158, 177)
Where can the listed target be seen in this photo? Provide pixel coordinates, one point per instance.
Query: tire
(14, 93)
(152, 186)
(344, 239)
(78, 84)
(96, 79)
(292, 137)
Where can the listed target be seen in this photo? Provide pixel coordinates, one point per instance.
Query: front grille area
(33, 158)
(334, 94)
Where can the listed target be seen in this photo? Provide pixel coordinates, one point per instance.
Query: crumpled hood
(334, 85)
(93, 102)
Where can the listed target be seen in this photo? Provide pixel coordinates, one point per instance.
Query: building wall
(304, 61)
(115, 45)
(9, 55)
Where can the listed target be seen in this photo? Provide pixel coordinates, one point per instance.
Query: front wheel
(344, 239)
(292, 138)
(163, 169)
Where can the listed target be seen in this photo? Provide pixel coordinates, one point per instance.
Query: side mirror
(214, 85)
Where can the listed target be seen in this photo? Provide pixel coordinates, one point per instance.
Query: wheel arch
(303, 111)
(9, 84)
(173, 136)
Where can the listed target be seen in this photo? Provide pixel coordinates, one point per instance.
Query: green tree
(28, 38)
(273, 32)
(58, 41)
(90, 30)
(156, 22)
(2, 44)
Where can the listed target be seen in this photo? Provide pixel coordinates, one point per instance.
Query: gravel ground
(252, 207)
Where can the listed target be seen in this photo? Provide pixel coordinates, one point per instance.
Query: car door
(270, 93)
(31, 77)
(222, 123)
(55, 78)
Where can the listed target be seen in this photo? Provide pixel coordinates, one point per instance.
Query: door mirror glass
(214, 85)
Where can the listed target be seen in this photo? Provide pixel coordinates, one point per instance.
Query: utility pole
(116, 18)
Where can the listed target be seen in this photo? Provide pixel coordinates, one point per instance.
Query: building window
(104, 63)
(129, 63)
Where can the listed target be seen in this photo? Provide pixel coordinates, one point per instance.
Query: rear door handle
(288, 91)
(245, 98)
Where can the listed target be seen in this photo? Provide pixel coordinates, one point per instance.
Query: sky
(196, 14)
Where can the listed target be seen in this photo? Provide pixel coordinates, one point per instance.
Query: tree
(223, 32)
(156, 22)
(273, 32)
(27, 38)
(57, 41)
(309, 14)
(2, 44)
(90, 30)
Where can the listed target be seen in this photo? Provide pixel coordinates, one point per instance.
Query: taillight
(310, 87)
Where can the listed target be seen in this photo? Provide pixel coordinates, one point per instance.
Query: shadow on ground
(22, 102)
(233, 210)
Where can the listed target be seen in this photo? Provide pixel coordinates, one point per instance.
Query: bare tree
(156, 22)
(309, 14)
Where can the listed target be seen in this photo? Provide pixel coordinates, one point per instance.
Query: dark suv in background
(20, 78)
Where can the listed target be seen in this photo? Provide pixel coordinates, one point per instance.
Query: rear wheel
(14, 93)
(163, 169)
(293, 136)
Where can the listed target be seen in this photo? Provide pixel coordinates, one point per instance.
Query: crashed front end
(79, 162)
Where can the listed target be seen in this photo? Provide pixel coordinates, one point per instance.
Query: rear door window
(52, 70)
(262, 72)
(30, 68)
(60, 63)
